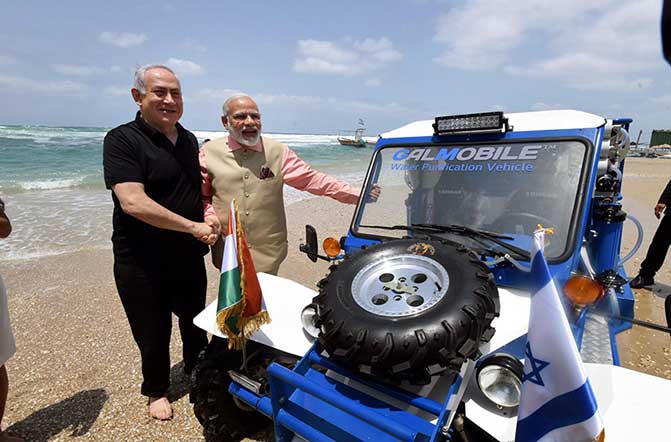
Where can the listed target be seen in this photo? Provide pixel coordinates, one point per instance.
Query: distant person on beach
(253, 170)
(660, 243)
(7, 345)
(159, 236)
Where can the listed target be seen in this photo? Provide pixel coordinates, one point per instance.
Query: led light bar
(471, 123)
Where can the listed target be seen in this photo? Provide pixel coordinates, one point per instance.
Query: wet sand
(76, 374)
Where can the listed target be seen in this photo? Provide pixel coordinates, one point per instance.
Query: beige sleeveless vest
(260, 201)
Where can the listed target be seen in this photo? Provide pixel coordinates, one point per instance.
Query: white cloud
(192, 46)
(540, 106)
(606, 45)
(392, 108)
(306, 101)
(7, 60)
(213, 94)
(122, 39)
(312, 65)
(662, 99)
(117, 91)
(483, 33)
(115, 68)
(373, 82)
(80, 71)
(326, 57)
(382, 49)
(26, 84)
(611, 84)
(303, 100)
(184, 67)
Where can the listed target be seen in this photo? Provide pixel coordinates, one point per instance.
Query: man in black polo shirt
(159, 237)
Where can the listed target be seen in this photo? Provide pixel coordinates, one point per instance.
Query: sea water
(51, 180)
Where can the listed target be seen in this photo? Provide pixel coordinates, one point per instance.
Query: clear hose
(639, 240)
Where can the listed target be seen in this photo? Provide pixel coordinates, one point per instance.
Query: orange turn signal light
(583, 291)
(331, 247)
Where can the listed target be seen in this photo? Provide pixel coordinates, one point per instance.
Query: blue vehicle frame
(319, 401)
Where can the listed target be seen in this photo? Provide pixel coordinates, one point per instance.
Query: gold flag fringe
(241, 263)
(601, 437)
(246, 326)
(224, 315)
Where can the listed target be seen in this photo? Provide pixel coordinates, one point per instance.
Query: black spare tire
(407, 309)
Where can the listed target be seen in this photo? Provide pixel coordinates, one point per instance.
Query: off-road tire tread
(376, 346)
(213, 405)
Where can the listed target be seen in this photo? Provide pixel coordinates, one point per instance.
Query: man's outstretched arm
(135, 202)
(300, 175)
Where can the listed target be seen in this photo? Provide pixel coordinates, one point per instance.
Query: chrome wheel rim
(400, 286)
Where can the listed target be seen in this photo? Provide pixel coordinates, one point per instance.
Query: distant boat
(358, 140)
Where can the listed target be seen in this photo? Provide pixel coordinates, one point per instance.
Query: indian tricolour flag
(240, 307)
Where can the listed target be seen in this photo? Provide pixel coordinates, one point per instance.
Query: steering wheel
(527, 220)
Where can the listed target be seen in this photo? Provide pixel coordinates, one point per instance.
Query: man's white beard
(237, 135)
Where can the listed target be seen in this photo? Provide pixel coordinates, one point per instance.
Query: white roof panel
(520, 121)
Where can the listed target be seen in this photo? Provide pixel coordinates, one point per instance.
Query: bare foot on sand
(159, 408)
(4, 437)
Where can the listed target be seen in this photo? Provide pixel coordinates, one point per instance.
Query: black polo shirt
(137, 152)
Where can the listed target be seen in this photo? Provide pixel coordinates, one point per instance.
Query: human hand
(213, 221)
(210, 239)
(375, 192)
(204, 233)
(659, 209)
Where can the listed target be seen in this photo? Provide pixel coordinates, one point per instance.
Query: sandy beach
(76, 374)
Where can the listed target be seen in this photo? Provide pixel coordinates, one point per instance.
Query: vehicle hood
(285, 299)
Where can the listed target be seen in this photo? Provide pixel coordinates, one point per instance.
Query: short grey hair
(227, 104)
(138, 82)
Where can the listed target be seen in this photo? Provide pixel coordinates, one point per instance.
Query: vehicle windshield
(501, 188)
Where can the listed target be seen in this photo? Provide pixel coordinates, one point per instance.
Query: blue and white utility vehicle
(418, 331)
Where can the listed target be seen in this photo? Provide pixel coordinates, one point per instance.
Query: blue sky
(319, 66)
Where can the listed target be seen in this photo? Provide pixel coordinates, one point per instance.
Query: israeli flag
(557, 402)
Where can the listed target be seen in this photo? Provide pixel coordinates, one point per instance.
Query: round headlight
(308, 317)
(500, 379)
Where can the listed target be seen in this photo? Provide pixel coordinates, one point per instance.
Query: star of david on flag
(537, 366)
(557, 402)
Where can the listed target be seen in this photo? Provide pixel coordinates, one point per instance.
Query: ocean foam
(51, 184)
(50, 135)
(57, 221)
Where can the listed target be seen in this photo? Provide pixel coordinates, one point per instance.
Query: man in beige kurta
(253, 169)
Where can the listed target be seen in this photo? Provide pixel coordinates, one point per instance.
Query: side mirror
(311, 247)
